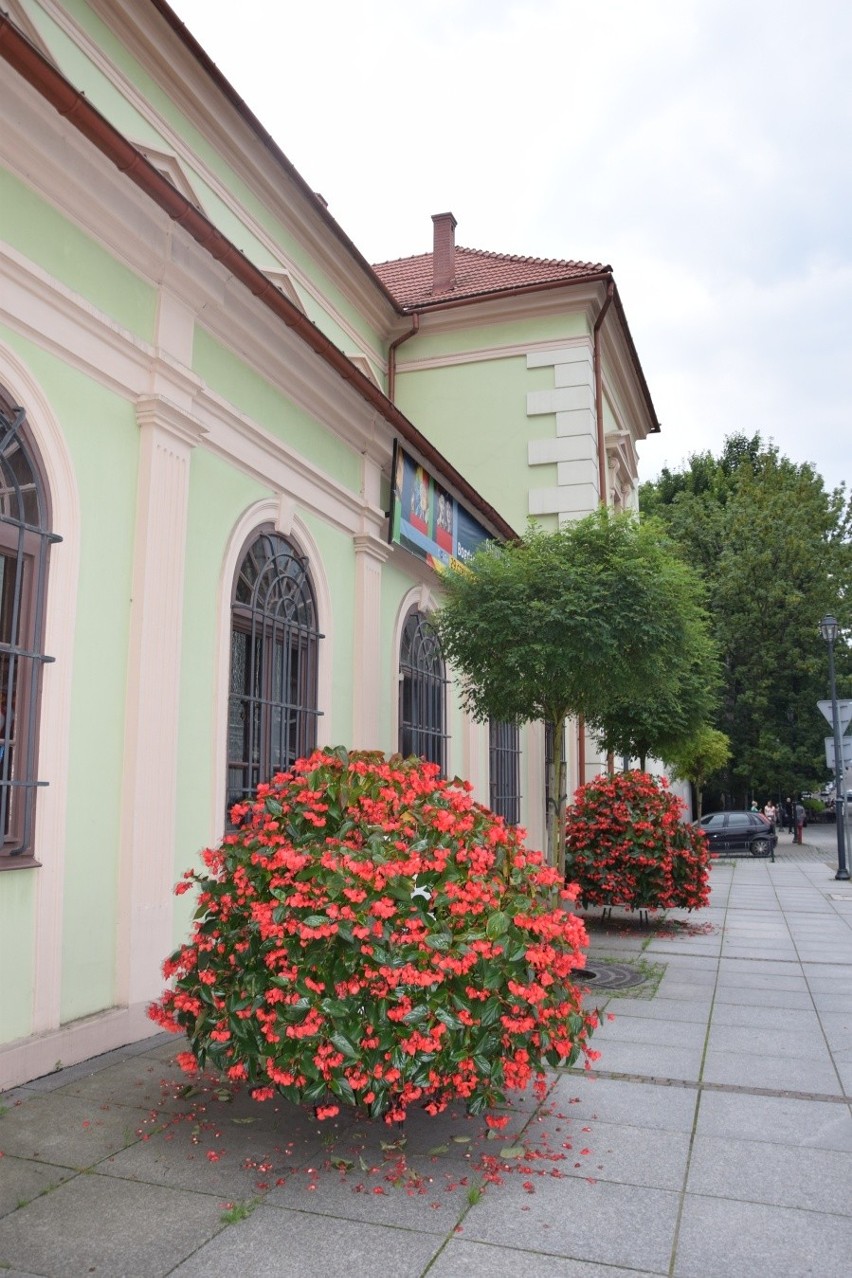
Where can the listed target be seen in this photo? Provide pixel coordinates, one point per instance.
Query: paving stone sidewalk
(713, 1140)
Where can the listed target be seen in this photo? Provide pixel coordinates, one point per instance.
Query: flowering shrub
(628, 846)
(370, 935)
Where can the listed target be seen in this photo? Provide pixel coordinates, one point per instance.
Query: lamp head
(828, 628)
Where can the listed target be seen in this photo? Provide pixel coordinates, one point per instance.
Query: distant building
(229, 447)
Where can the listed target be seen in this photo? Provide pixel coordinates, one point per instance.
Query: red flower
(409, 953)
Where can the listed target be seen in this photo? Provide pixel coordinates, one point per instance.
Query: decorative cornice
(371, 546)
(483, 353)
(154, 410)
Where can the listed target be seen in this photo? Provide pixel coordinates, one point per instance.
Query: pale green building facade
(202, 381)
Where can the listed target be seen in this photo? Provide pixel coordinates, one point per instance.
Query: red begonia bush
(370, 935)
(627, 845)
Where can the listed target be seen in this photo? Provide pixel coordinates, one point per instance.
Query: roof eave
(593, 277)
(75, 107)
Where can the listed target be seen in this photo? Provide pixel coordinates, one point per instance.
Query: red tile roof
(409, 279)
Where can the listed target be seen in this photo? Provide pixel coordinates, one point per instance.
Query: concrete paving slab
(765, 998)
(139, 1082)
(603, 1222)
(276, 1243)
(762, 1172)
(685, 991)
(815, 1076)
(796, 1021)
(838, 1001)
(643, 1029)
(720, 1237)
(651, 1059)
(626, 1155)
(775, 1119)
(66, 1130)
(94, 1224)
(666, 1010)
(479, 1260)
(838, 1031)
(679, 973)
(614, 1100)
(425, 1194)
(781, 1043)
(22, 1180)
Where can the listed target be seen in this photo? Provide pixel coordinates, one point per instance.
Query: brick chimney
(443, 252)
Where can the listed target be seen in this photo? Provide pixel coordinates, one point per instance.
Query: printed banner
(426, 520)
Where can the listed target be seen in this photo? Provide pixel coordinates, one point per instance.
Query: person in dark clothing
(790, 815)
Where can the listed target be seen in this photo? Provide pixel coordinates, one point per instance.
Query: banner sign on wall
(426, 520)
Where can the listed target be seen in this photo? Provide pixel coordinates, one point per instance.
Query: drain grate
(610, 976)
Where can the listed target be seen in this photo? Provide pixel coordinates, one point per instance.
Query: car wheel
(761, 847)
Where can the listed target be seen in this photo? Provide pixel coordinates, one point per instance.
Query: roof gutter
(24, 58)
(598, 376)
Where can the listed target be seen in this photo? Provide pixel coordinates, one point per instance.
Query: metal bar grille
(422, 693)
(25, 540)
(504, 755)
(272, 708)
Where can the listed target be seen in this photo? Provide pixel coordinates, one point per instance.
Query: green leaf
(441, 941)
(344, 1045)
(512, 1151)
(497, 925)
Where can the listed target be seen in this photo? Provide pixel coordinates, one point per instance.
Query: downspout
(599, 414)
(599, 421)
(415, 319)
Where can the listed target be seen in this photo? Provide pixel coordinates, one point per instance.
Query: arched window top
(274, 581)
(22, 497)
(422, 692)
(420, 650)
(25, 539)
(272, 704)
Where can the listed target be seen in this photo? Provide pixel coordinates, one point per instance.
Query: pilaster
(370, 554)
(167, 437)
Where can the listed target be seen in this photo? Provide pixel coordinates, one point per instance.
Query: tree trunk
(557, 777)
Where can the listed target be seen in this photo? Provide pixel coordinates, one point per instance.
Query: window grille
(422, 693)
(25, 540)
(504, 755)
(272, 704)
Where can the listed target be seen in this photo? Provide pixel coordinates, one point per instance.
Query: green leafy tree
(775, 551)
(657, 719)
(579, 622)
(697, 758)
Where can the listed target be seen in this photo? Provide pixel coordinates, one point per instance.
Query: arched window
(272, 703)
(504, 758)
(422, 695)
(25, 539)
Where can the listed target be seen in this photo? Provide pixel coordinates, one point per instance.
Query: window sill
(19, 863)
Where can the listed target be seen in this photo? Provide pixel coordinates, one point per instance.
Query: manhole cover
(609, 976)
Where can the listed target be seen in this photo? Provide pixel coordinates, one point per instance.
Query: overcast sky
(699, 147)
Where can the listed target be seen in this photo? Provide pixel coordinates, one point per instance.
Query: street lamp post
(828, 630)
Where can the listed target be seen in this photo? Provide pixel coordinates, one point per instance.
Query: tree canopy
(774, 548)
(587, 621)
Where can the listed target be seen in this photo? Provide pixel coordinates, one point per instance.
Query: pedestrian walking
(770, 812)
(800, 820)
(790, 815)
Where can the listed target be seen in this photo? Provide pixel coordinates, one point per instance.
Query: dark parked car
(739, 832)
